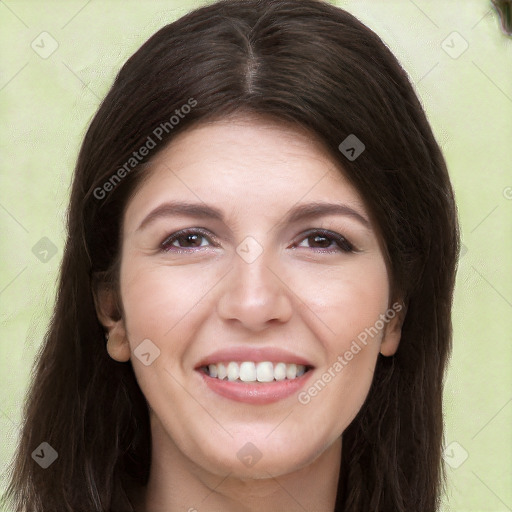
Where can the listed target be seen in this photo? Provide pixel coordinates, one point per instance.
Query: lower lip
(260, 393)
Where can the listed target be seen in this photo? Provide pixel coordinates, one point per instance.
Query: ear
(107, 310)
(393, 329)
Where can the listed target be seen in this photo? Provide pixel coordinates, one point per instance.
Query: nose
(255, 294)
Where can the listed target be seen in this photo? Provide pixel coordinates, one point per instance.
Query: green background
(47, 103)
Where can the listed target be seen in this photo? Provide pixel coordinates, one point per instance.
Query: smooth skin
(302, 293)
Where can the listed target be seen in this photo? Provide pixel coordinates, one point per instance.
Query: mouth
(254, 375)
(255, 372)
(255, 383)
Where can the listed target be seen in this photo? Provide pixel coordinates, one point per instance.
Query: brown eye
(322, 239)
(186, 239)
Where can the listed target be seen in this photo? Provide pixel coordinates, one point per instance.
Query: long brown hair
(315, 65)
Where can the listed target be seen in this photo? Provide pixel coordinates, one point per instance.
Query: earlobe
(393, 332)
(118, 346)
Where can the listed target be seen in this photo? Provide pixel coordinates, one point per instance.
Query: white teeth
(212, 368)
(280, 371)
(248, 371)
(233, 371)
(291, 371)
(221, 371)
(265, 372)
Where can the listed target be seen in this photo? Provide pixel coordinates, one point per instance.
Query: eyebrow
(295, 214)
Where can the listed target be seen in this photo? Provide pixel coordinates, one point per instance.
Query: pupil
(191, 238)
(320, 237)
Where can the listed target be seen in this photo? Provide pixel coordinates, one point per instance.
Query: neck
(177, 484)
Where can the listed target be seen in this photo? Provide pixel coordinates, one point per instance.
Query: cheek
(162, 304)
(158, 298)
(346, 300)
(347, 304)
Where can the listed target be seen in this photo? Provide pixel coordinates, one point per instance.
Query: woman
(292, 356)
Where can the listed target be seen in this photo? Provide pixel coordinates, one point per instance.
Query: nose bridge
(254, 294)
(254, 280)
(253, 273)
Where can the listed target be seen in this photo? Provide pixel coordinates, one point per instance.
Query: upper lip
(256, 354)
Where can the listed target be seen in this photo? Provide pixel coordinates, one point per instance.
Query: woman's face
(256, 289)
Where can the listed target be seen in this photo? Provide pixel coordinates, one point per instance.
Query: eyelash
(343, 244)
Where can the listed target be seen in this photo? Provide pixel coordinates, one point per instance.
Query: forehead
(248, 143)
(255, 163)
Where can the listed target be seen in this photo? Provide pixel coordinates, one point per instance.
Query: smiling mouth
(252, 372)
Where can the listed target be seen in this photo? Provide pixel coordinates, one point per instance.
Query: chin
(257, 459)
